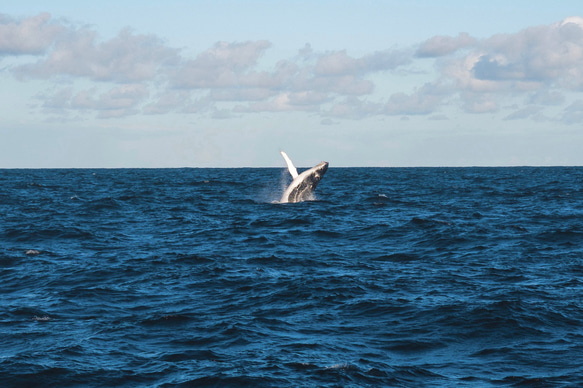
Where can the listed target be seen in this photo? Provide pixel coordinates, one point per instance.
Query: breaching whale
(304, 184)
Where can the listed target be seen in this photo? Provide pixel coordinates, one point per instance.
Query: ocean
(391, 277)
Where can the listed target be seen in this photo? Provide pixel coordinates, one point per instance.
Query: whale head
(318, 173)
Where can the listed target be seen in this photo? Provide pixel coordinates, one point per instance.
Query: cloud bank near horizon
(530, 74)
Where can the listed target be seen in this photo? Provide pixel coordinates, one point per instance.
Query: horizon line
(282, 167)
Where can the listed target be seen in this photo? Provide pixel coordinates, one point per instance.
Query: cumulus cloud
(542, 55)
(134, 73)
(229, 70)
(439, 46)
(226, 72)
(124, 58)
(224, 65)
(541, 63)
(28, 36)
(337, 63)
(545, 54)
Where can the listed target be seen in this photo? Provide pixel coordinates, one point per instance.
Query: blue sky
(230, 83)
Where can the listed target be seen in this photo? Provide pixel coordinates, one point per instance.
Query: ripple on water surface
(198, 277)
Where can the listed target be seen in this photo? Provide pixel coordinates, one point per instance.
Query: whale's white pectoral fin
(290, 166)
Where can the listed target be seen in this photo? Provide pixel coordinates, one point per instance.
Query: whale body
(304, 184)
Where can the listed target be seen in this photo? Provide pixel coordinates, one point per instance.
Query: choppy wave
(198, 277)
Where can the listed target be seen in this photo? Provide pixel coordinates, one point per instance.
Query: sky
(231, 83)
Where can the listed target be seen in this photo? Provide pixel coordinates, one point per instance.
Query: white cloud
(337, 63)
(223, 65)
(33, 35)
(125, 58)
(540, 63)
(550, 54)
(439, 46)
(316, 79)
(229, 71)
(538, 66)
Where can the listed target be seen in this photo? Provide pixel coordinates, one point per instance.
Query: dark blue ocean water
(414, 277)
